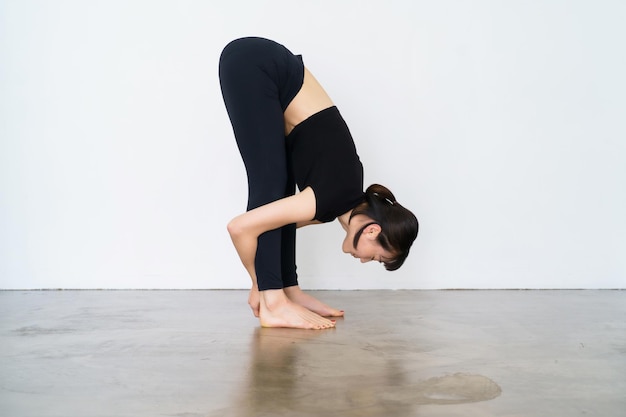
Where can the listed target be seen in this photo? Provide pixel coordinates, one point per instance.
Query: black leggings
(259, 78)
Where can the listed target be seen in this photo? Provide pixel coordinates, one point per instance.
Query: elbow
(240, 228)
(234, 228)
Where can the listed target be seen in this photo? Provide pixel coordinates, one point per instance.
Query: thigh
(252, 100)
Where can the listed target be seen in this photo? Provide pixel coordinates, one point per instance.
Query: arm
(246, 228)
(307, 223)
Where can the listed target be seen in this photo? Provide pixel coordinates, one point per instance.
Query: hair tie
(384, 198)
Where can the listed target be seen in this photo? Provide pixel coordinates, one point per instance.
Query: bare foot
(279, 311)
(298, 296)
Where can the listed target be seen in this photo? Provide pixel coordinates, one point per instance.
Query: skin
(291, 307)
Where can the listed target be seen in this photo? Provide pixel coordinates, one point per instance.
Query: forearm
(246, 247)
(245, 243)
(246, 228)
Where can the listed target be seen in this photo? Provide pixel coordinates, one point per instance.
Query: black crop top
(323, 156)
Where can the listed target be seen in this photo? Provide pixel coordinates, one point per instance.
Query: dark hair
(398, 225)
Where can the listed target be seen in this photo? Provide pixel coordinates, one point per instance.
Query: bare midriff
(310, 99)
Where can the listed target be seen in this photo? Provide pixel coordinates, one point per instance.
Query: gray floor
(397, 353)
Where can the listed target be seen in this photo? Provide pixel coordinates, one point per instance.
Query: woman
(288, 131)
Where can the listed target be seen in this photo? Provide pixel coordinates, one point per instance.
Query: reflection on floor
(396, 353)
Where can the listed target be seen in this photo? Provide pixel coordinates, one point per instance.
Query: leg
(288, 240)
(251, 99)
(255, 108)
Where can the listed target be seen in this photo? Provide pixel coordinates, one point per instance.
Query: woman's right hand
(254, 300)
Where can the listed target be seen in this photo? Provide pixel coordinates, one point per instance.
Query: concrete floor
(397, 353)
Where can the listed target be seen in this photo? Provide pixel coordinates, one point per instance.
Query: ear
(371, 232)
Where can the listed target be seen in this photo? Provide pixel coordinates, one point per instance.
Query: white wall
(500, 123)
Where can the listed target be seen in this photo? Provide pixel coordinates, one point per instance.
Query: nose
(364, 260)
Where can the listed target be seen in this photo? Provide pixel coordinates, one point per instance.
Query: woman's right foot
(279, 311)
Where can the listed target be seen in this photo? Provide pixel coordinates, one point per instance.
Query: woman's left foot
(298, 296)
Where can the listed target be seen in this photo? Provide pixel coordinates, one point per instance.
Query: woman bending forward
(289, 132)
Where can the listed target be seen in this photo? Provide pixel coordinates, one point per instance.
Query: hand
(254, 300)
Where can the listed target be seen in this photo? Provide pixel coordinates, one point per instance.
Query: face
(368, 249)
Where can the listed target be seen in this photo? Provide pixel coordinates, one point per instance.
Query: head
(383, 230)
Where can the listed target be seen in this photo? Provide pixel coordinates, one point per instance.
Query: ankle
(273, 299)
(292, 290)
